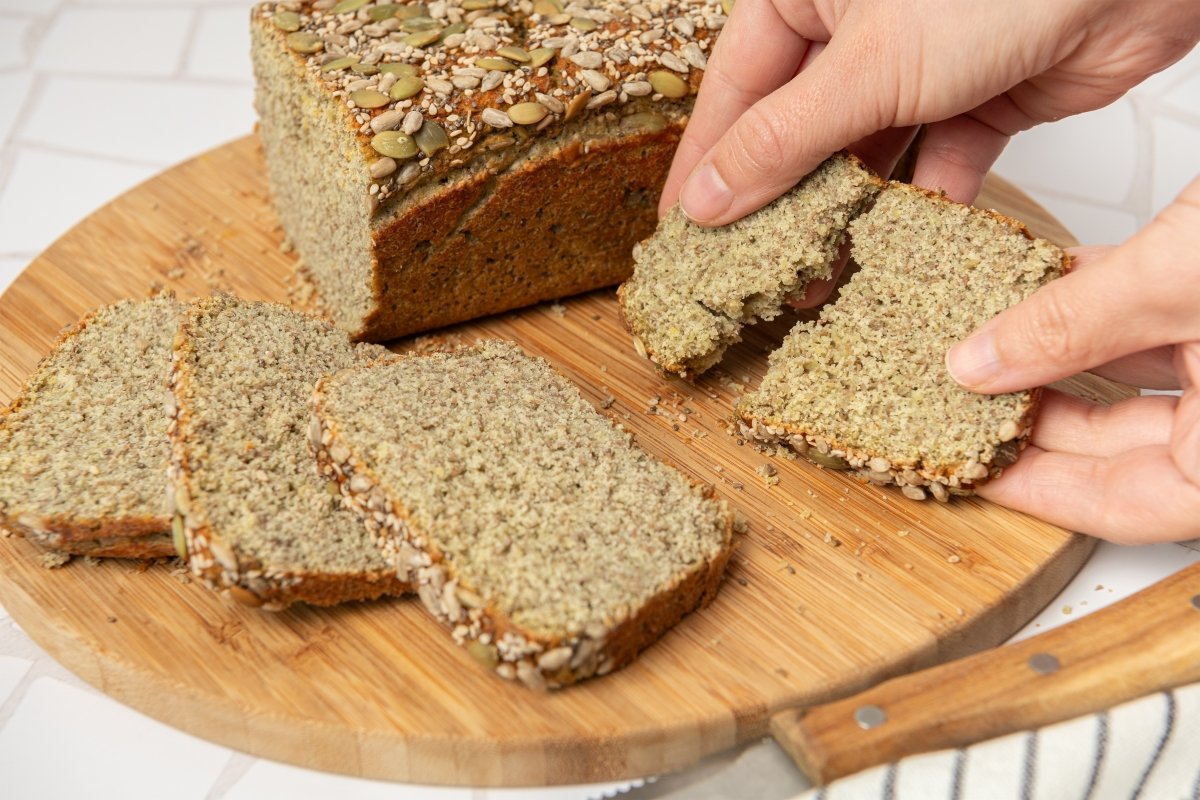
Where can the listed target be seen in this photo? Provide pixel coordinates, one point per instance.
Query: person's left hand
(1129, 473)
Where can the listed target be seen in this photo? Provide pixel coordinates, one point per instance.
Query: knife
(1146, 643)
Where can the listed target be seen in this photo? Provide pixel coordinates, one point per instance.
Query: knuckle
(759, 145)
(1051, 328)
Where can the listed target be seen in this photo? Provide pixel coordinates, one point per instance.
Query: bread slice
(435, 163)
(83, 449)
(865, 387)
(554, 547)
(260, 524)
(693, 288)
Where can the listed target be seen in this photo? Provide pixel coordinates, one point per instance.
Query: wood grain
(836, 586)
(1146, 643)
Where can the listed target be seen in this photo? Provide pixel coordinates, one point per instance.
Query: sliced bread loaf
(693, 288)
(259, 523)
(865, 387)
(83, 449)
(554, 547)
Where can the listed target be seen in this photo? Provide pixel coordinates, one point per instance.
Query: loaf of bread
(437, 162)
(865, 387)
(83, 449)
(258, 522)
(553, 546)
(694, 288)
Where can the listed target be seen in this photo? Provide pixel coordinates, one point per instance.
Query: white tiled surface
(98, 95)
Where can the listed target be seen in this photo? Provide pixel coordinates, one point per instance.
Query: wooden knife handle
(1143, 644)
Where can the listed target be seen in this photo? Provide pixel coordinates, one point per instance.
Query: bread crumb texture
(535, 501)
(694, 288)
(243, 375)
(867, 384)
(85, 444)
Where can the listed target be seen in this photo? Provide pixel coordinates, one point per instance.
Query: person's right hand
(773, 105)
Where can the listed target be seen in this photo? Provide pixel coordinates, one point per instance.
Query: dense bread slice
(437, 162)
(553, 545)
(693, 288)
(865, 387)
(83, 450)
(259, 522)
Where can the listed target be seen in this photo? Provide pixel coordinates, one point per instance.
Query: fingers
(780, 139)
(880, 151)
(955, 156)
(1133, 498)
(1185, 440)
(737, 76)
(1152, 369)
(1138, 296)
(1068, 424)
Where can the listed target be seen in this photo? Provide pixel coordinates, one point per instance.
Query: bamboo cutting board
(835, 586)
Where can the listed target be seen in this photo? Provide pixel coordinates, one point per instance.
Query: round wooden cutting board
(835, 586)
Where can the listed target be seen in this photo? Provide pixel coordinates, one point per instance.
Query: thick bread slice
(260, 524)
(554, 547)
(865, 387)
(693, 288)
(83, 449)
(479, 210)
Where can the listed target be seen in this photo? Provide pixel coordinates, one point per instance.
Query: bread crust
(134, 536)
(491, 637)
(210, 557)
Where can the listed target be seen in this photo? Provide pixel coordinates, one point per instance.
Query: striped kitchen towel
(1148, 748)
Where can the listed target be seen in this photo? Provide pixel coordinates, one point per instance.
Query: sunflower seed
(551, 102)
(693, 55)
(672, 61)
(913, 492)
(381, 168)
(939, 492)
(597, 80)
(617, 55)
(465, 82)
(637, 88)
(1008, 430)
(554, 660)
(684, 26)
(492, 80)
(588, 59)
(440, 86)
(412, 122)
(602, 99)
(577, 103)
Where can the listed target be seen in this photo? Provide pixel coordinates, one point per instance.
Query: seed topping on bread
(425, 83)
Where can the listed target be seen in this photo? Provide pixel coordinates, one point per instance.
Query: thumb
(1138, 296)
(784, 136)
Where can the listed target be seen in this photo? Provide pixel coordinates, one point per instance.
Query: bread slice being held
(865, 387)
(554, 547)
(259, 522)
(83, 449)
(694, 288)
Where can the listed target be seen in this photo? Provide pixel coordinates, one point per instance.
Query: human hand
(773, 105)
(1131, 472)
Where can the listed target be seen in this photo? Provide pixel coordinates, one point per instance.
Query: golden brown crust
(491, 637)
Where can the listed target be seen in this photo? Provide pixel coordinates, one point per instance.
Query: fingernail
(974, 363)
(705, 195)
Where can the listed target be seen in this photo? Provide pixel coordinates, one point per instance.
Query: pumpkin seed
(584, 24)
(405, 87)
(485, 654)
(826, 460)
(547, 8)
(381, 12)
(527, 113)
(347, 6)
(422, 38)
(401, 70)
(178, 538)
(339, 64)
(495, 63)
(476, 5)
(727, 6)
(395, 144)
(414, 24)
(668, 84)
(540, 56)
(408, 12)
(577, 104)
(514, 54)
(646, 120)
(451, 30)
(431, 137)
(286, 20)
(369, 98)
(364, 69)
(305, 42)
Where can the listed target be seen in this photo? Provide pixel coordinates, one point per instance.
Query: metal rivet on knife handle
(1043, 663)
(869, 717)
